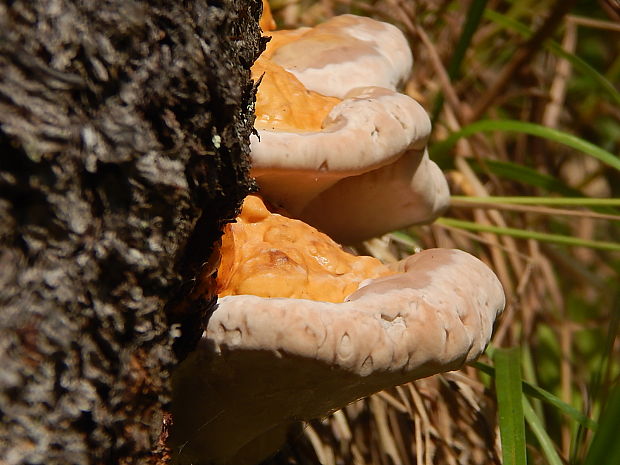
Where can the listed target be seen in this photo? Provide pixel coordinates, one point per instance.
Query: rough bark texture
(123, 131)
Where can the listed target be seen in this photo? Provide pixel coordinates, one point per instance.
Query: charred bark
(124, 131)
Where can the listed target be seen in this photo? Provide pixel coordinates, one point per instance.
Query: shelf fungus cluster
(337, 145)
(302, 327)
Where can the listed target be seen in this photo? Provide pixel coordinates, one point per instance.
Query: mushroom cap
(346, 52)
(371, 129)
(310, 146)
(267, 362)
(437, 314)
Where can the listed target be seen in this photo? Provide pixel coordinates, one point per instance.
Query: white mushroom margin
(346, 52)
(369, 158)
(438, 313)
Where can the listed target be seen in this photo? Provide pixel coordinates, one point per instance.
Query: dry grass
(561, 299)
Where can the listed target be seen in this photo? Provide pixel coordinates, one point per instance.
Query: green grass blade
(543, 438)
(539, 393)
(605, 447)
(530, 375)
(525, 175)
(554, 201)
(525, 234)
(534, 130)
(474, 15)
(580, 65)
(509, 404)
(600, 378)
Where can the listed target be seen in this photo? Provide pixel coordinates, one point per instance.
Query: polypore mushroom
(336, 145)
(264, 363)
(270, 255)
(343, 53)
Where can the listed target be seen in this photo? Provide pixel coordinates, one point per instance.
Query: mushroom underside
(265, 363)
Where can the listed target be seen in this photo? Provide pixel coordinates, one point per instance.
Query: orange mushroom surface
(269, 255)
(284, 104)
(267, 22)
(282, 101)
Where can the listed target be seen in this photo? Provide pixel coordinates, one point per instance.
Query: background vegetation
(526, 109)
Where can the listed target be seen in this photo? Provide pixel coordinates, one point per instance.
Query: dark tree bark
(124, 132)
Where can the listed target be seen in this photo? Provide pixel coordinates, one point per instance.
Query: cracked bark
(124, 132)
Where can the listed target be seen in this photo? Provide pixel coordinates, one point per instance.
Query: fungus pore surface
(269, 255)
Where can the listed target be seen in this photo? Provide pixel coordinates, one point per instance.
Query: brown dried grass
(451, 418)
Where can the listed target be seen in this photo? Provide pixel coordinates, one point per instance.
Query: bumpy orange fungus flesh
(282, 101)
(270, 255)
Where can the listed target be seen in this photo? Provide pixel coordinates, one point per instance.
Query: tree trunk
(124, 131)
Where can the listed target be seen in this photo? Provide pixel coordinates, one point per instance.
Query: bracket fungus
(343, 53)
(302, 327)
(337, 145)
(323, 329)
